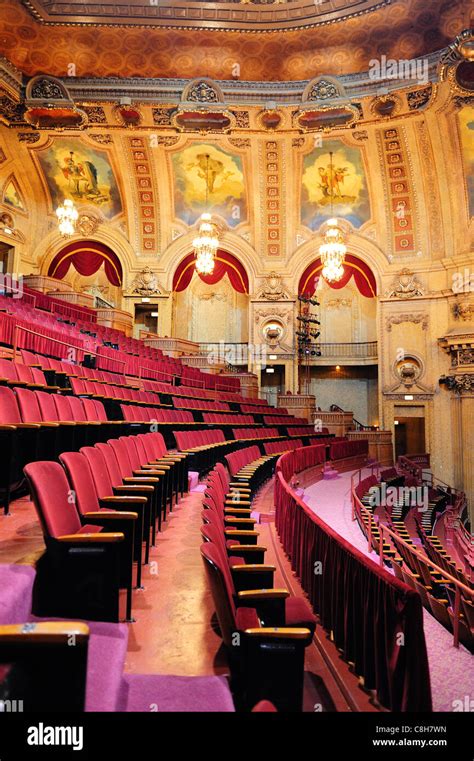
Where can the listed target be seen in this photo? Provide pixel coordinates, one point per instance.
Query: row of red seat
(192, 439)
(303, 430)
(283, 420)
(272, 628)
(257, 407)
(276, 447)
(15, 373)
(155, 415)
(199, 404)
(237, 460)
(223, 419)
(255, 433)
(121, 393)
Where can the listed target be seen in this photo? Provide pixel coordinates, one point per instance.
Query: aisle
(451, 669)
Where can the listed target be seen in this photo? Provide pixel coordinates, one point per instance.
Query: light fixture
(270, 370)
(206, 243)
(408, 397)
(338, 367)
(272, 356)
(333, 249)
(154, 314)
(146, 300)
(67, 215)
(395, 422)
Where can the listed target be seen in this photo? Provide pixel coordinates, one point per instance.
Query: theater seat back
(81, 480)
(50, 492)
(28, 404)
(100, 472)
(222, 591)
(9, 412)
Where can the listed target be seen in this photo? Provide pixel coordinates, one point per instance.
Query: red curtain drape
(87, 257)
(225, 264)
(353, 267)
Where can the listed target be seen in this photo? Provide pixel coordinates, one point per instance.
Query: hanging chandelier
(206, 243)
(67, 215)
(333, 250)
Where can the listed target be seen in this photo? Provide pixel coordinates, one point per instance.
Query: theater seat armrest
(28, 425)
(150, 472)
(138, 480)
(45, 631)
(133, 487)
(8, 427)
(246, 548)
(279, 632)
(49, 425)
(107, 538)
(229, 519)
(237, 502)
(238, 510)
(253, 568)
(124, 499)
(112, 515)
(236, 533)
(263, 594)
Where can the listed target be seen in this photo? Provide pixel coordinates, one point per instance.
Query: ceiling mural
(224, 180)
(346, 184)
(12, 196)
(82, 174)
(466, 122)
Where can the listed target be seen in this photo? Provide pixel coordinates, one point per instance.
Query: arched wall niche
(53, 243)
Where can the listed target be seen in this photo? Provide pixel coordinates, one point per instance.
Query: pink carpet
(451, 669)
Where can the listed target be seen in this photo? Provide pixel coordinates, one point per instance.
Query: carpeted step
(16, 588)
(167, 694)
(105, 664)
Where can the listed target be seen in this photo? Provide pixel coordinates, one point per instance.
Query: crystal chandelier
(206, 243)
(205, 246)
(333, 249)
(67, 217)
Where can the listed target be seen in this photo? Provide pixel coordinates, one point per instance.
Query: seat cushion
(298, 613)
(89, 529)
(246, 618)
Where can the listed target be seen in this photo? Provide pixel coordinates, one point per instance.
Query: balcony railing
(363, 350)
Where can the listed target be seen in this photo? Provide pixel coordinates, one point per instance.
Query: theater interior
(237, 357)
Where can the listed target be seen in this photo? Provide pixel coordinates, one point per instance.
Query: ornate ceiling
(117, 48)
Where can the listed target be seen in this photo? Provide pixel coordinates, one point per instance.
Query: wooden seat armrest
(138, 480)
(278, 632)
(149, 472)
(5, 427)
(111, 515)
(238, 510)
(134, 487)
(240, 532)
(240, 520)
(49, 425)
(247, 548)
(45, 631)
(238, 502)
(107, 538)
(124, 499)
(28, 425)
(263, 594)
(253, 568)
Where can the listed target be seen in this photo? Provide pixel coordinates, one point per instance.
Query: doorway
(409, 436)
(272, 383)
(146, 318)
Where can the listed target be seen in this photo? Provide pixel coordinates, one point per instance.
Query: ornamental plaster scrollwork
(405, 286)
(272, 288)
(398, 319)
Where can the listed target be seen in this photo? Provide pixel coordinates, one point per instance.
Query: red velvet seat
(79, 575)
(267, 663)
(116, 516)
